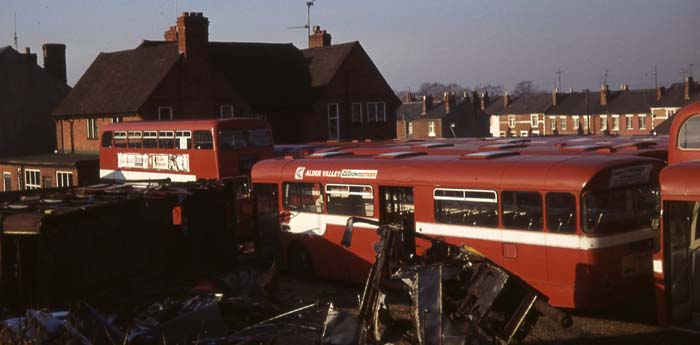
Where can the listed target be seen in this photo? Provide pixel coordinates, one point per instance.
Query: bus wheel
(299, 262)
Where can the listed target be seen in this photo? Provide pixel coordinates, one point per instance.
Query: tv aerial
(309, 4)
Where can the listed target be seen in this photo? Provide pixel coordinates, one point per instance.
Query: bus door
(397, 206)
(683, 256)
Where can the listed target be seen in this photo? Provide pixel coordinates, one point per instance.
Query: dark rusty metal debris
(448, 295)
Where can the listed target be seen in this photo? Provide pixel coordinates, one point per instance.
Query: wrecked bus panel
(449, 295)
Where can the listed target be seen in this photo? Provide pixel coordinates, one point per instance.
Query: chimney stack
(449, 99)
(604, 93)
(484, 100)
(192, 34)
(171, 34)
(409, 97)
(427, 104)
(687, 88)
(555, 97)
(506, 99)
(571, 90)
(319, 38)
(30, 58)
(55, 60)
(465, 95)
(624, 87)
(660, 92)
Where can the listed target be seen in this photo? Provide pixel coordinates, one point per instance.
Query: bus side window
(203, 140)
(466, 207)
(350, 200)
(561, 212)
(302, 197)
(120, 139)
(166, 139)
(521, 210)
(135, 139)
(183, 140)
(107, 139)
(150, 139)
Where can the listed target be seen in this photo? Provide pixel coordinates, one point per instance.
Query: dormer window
(165, 113)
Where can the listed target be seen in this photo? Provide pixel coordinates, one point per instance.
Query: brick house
(449, 118)
(520, 116)
(669, 101)
(186, 76)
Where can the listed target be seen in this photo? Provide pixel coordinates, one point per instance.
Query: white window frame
(562, 124)
(91, 124)
(117, 119)
(410, 127)
(6, 174)
(356, 117)
(552, 123)
(494, 200)
(335, 117)
(160, 112)
(603, 122)
(511, 121)
(502, 134)
(59, 179)
(376, 117)
(629, 122)
(574, 122)
(534, 120)
(226, 114)
(586, 121)
(642, 121)
(523, 133)
(28, 182)
(615, 122)
(431, 128)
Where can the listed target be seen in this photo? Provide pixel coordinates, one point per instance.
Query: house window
(226, 111)
(376, 112)
(628, 122)
(431, 128)
(6, 181)
(64, 179)
(553, 123)
(585, 122)
(117, 119)
(574, 122)
(511, 121)
(165, 113)
(616, 122)
(92, 129)
(603, 123)
(410, 128)
(562, 119)
(533, 120)
(642, 121)
(32, 179)
(333, 121)
(357, 113)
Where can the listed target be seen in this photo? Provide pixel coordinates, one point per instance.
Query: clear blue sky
(466, 42)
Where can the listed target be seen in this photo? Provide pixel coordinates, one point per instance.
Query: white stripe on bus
(125, 175)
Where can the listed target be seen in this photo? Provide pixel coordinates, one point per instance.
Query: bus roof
(681, 180)
(187, 124)
(534, 172)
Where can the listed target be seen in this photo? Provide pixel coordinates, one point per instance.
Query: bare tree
(491, 89)
(437, 89)
(525, 87)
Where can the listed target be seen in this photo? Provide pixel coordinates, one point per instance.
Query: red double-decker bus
(183, 150)
(578, 228)
(677, 260)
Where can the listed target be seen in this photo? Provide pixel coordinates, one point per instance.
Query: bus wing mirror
(347, 235)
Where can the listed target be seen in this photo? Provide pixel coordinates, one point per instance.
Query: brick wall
(523, 124)
(71, 134)
(83, 173)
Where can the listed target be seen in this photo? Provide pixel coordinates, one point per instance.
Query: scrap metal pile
(448, 295)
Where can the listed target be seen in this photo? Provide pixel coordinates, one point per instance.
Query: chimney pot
(427, 104)
(319, 38)
(55, 60)
(604, 91)
(688, 88)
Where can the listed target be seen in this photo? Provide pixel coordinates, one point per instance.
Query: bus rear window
(166, 139)
(260, 137)
(203, 140)
(120, 139)
(522, 210)
(619, 210)
(232, 139)
(350, 200)
(689, 134)
(107, 139)
(183, 140)
(302, 197)
(466, 207)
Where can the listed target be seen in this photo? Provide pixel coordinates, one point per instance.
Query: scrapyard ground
(587, 329)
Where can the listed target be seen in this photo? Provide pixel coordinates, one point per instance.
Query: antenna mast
(559, 72)
(605, 77)
(309, 4)
(656, 78)
(690, 69)
(16, 45)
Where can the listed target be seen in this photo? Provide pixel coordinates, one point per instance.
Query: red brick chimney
(660, 92)
(484, 100)
(687, 88)
(604, 93)
(171, 34)
(409, 97)
(624, 87)
(319, 38)
(449, 99)
(427, 104)
(192, 34)
(506, 99)
(55, 60)
(29, 56)
(555, 97)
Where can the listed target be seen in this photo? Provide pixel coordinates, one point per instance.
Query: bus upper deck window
(521, 210)
(183, 140)
(689, 135)
(166, 139)
(232, 139)
(260, 137)
(120, 139)
(203, 140)
(561, 212)
(150, 139)
(107, 139)
(135, 139)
